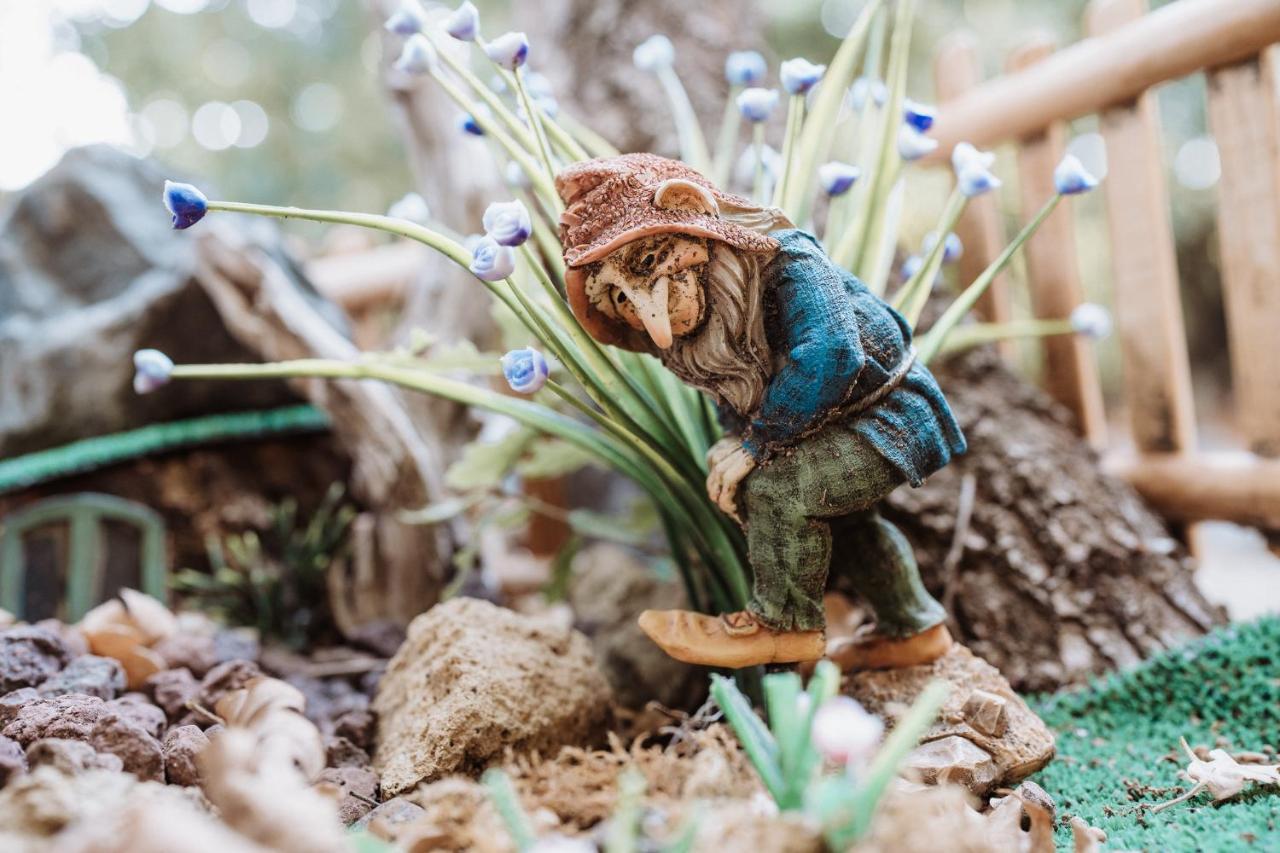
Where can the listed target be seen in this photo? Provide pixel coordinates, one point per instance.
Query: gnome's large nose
(651, 307)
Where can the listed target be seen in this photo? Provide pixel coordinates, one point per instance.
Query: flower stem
(911, 299)
(757, 143)
(730, 122)
(931, 342)
(535, 121)
(693, 147)
(976, 334)
(795, 119)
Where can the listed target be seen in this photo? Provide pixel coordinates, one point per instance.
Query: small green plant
(275, 580)
(809, 725)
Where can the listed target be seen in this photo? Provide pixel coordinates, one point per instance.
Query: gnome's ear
(679, 194)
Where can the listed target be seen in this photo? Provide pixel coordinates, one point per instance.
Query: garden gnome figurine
(825, 408)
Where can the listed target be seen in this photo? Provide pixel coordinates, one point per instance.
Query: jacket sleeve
(818, 332)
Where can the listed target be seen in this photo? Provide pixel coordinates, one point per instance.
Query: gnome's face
(655, 284)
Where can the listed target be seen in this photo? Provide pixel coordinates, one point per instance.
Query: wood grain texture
(1070, 367)
(1244, 116)
(1157, 374)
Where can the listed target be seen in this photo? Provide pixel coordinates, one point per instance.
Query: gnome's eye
(619, 297)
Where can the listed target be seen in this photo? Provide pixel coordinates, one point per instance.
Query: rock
(381, 636)
(358, 789)
(328, 699)
(357, 727)
(29, 656)
(89, 719)
(90, 273)
(340, 752)
(170, 689)
(13, 761)
(188, 651)
(985, 730)
(12, 703)
(72, 637)
(223, 678)
(609, 590)
(743, 825)
(70, 756)
(382, 820)
(182, 745)
(953, 760)
(87, 674)
(472, 680)
(150, 718)
(236, 644)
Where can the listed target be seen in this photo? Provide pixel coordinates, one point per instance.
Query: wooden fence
(1111, 74)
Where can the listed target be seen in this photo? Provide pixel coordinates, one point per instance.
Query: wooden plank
(1176, 40)
(957, 70)
(1071, 370)
(1224, 485)
(1157, 373)
(1244, 115)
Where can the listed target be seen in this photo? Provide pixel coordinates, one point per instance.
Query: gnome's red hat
(613, 201)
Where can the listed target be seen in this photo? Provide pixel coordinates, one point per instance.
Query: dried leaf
(125, 644)
(1222, 776)
(272, 711)
(150, 619)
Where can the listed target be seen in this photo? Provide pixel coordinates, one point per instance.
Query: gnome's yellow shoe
(732, 640)
(870, 650)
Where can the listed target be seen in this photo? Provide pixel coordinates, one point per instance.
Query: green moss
(1118, 752)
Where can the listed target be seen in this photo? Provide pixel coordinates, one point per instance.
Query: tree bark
(1064, 572)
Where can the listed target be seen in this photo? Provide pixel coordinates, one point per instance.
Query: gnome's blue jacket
(834, 343)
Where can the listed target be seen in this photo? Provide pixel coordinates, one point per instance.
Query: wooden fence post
(1245, 117)
(957, 70)
(1071, 370)
(1157, 374)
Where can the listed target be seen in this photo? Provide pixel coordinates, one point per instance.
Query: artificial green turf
(1114, 738)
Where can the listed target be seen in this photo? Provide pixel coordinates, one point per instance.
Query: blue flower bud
(867, 88)
(910, 267)
(800, 75)
(538, 85)
(490, 261)
(526, 370)
(412, 207)
(757, 104)
(507, 222)
(745, 68)
(467, 124)
(408, 18)
(417, 56)
(836, 178)
(654, 53)
(187, 204)
(471, 242)
(912, 144)
(952, 248)
(510, 50)
(1071, 178)
(920, 116)
(515, 175)
(463, 23)
(973, 170)
(1092, 321)
(965, 154)
(152, 370)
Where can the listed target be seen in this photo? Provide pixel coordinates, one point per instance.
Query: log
(1220, 485)
(1064, 571)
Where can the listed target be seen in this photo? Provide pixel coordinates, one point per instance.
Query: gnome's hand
(730, 464)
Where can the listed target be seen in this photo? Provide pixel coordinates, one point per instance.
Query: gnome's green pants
(810, 509)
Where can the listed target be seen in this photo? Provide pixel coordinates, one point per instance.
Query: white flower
(757, 104)
(412, 207)
(515, 175)
(745, 68)
(865, 88)
(912, 144)
(973, 170)
(463, 23)
(965, 154)
(152, 370)
(508, 222)
(408, 18)
(1071, 178)
(654, 53)
(417, 56)
(799, 75)
(1092, 321)
(490, 261)
(952, 248)
(510, 50)
(836, 178)
(844, 732)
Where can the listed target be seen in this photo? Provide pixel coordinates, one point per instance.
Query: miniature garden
(723, 441)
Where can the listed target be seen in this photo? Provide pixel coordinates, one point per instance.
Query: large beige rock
(473, 679)
(985, 737)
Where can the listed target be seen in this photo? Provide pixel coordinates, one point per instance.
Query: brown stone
(357, 727)
(340, 752)
(225, 677)
(13, 761)
(190, 651)
(986, 712)
(138, 710)
(472, 680)
(182, 746)
(358, 789)
(953, 760)
(388, 815)
(29, 656)
(12, 703)
(981, 708)
(70, 756)
(171, 689)
(89, 719)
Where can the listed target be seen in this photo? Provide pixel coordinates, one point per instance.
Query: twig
(951, 564)
(193, 705)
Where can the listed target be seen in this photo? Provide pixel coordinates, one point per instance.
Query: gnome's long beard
(728, 356)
